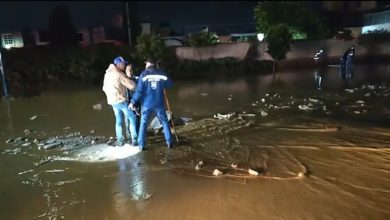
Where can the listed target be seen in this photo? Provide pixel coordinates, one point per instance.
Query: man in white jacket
(114, 86)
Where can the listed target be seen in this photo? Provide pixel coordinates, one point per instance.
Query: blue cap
(119, 60)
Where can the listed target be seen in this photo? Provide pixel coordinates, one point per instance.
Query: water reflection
(7, 104)
(318, 77)
(346, 74)
(131, 185)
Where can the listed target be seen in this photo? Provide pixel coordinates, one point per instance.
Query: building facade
(12, 40)
(376, 21)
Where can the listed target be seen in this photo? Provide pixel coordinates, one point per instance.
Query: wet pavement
(284, 146)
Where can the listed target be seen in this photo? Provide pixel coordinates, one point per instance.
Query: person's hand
(131, 106)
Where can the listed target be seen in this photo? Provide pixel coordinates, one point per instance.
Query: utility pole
(128, 22)
(3, 77)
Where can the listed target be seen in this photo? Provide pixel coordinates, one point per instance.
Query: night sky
(15, 16)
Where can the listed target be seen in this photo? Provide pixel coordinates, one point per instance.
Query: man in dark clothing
(346, 59)
(131, 125)
(346, 64)
(150, 92)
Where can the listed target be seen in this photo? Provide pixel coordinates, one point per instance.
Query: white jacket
(115, 84)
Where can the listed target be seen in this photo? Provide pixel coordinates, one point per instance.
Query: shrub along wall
(30, 70)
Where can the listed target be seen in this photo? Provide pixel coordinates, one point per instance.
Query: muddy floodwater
(310, 144)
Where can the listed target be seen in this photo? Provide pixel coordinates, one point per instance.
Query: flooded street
(319, 141)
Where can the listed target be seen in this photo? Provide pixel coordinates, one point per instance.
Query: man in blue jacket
(150, 92)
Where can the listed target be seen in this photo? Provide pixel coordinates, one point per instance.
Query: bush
(41, 66)
(149, 45)
(344, 34)
(30, 70)
(279, 42)
(203, 38)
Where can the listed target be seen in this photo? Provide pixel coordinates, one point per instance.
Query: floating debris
(234, 166)
(305, 108)
(142, 197)
(247, 115)
(313, 100)
(26, 144)
(43, 161)
(300, 174)
(349, 90)
(360, 102)
(263, 113)
(24, 172)
(97, 107)
(227, 116)
(262, 100)
(27, 131)
(217, 172)
(51, 146)
(67, 182)
(34, 117)
(253, 172)
(55, 171)
(204, 94)
(9, 141)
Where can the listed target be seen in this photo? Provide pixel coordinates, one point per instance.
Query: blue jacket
(150, 88)
(129, 92)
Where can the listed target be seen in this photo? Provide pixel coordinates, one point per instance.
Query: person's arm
(138, 91)
(127, 82)
(104, 84)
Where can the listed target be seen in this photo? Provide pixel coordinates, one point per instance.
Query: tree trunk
(273, 69)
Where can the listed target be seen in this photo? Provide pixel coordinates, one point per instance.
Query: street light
(3, 77)
(260, 37)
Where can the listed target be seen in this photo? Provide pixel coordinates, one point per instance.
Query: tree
(203, 38)
(279, 42)
(298, 17)
(150, 45)
(61, 30)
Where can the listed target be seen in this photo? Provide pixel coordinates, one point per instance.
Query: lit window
(8, 39)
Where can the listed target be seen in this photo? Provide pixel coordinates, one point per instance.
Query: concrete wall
(355, 31)
(299, 50)
(236, 50)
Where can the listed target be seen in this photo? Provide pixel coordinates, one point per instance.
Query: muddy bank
(339, 166)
